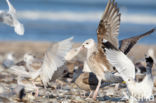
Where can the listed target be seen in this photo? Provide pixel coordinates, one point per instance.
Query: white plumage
(125, 67)
(122, 63)
(54, 58)
(72, 53)
(10, 19)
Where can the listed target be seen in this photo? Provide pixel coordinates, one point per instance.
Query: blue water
(46, 28)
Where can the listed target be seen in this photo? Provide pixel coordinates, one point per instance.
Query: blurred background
(54, 20)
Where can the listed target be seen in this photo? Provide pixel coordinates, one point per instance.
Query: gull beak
(123, 82)
(82, 47)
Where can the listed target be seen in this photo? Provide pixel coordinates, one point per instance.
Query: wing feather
(127, 44)
(21, 71)
(109, 25)
(54, 58)
(122, 63)
(12, 10)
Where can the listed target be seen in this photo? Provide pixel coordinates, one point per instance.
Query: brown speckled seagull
(108, 28)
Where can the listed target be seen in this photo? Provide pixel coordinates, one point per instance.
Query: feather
(10, 19)
(109, 25)
(21, 71)
(127, 44)
(54, 58)
(12, 10)
(120, 61)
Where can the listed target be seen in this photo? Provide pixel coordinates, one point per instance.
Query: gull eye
(86, 43)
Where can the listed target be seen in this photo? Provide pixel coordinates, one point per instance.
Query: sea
(55, 20)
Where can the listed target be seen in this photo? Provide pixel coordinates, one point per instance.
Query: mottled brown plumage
(127, 44)
(109, 25)
(87, 81)
(108, 28)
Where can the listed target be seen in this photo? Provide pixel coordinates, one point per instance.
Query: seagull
(9, 18)
(9, 60)
(54, 58)
(108, 28)
(140, 66)
(126, 68)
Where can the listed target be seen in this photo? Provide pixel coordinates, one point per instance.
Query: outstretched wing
(120, 61)
(72, 53)
(12, 10)
(109, 25)
(20, 71)
(127, 44)
(18, 27)
(54, 58)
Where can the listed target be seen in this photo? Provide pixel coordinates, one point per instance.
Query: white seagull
(9, 18)
(137, 90)
(53, 59)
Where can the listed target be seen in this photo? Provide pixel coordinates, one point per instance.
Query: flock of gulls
(105, 62)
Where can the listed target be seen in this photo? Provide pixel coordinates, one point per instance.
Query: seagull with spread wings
(96, 59)
(137, 90)
(9, 18)
(54, 58)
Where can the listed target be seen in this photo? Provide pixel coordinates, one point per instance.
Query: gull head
(28, 58)
(10, 56)
(130, 81)
(149, 59)
(88, 44)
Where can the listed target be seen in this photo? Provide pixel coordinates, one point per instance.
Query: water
(54, 20)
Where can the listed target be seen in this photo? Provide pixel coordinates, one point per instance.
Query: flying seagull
(137, 90)
(9, 18)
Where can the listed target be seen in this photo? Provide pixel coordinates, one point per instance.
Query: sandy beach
(69, 92)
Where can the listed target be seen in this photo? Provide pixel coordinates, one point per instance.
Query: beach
(69, 92)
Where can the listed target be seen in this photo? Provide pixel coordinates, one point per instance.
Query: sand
(68, 93)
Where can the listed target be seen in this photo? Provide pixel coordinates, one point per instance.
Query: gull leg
(117, 86)
(91, 93)
(97, 89)
(36, 92)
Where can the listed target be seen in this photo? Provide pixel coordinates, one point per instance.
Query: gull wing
(120, 61)
(54, 58)
(12, 10)
(109, 25)
(127, 44)
(18, 27)
(20, 71)
(72, 53)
